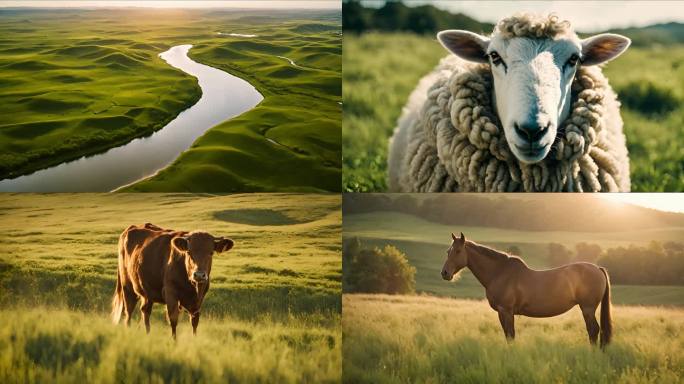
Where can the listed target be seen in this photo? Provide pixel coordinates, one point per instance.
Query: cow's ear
(223, 245)
(180, 243)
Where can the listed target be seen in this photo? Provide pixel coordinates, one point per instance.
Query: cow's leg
(172, 312)
(194, 319)
(589, 314)
(146, 310)
(130, 301)
(506, 319)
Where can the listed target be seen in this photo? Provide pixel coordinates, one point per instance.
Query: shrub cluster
(376, 270)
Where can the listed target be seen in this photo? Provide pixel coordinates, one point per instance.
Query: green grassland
(425, 244)
(423, 339)
(272, 313)
(106, 85)
(381, 69)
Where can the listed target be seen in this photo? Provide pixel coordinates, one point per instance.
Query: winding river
(223, 96)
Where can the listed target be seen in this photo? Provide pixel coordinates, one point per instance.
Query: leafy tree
(376, 270)
(587, 252)
(559, 254)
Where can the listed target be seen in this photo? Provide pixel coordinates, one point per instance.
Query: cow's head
(198, 249)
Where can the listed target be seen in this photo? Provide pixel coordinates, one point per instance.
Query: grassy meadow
(77, 82)
(424, 339)
(381, 69)
(272, 312)
(425, 244)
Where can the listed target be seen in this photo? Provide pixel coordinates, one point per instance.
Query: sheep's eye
(572, 61)
(496, 59)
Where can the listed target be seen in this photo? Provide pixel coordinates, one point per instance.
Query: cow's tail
(117, 301)
(606, 321)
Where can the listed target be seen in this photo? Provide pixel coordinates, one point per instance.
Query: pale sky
(586, 16)
(273, 4)
(673, 202)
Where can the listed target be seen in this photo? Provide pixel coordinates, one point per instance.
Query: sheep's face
(532, 80)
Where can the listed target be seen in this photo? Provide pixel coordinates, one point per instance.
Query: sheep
(526, 109)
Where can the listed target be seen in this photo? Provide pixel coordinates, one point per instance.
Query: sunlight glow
(670, 202)
(257, 4)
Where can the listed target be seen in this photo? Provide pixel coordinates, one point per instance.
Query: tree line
(560, 212)
(396, 16)
(658, 263)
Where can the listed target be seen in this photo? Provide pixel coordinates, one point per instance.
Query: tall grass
(422, 339)
(43, 345)
(272, 313)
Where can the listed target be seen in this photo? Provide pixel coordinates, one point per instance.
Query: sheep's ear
(464, 44)
(604, 47)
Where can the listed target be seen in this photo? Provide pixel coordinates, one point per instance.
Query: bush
(376, 270)
(648, 98)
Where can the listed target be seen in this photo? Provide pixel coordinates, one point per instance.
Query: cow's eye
(496, 59)
(573, 60)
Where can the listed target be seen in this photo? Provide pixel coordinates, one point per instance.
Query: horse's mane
(493, 253)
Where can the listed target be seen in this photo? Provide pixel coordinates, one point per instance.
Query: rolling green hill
(99, 83)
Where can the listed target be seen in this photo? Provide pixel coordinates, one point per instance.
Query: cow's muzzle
(200, 276)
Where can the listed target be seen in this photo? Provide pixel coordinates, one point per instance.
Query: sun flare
(670, 202)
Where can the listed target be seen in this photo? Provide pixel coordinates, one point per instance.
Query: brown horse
(512, 288)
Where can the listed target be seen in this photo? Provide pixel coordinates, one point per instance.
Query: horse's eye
(572, 61)
(496, 59)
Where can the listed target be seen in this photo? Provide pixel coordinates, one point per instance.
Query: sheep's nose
(531, 132)
(200, 276)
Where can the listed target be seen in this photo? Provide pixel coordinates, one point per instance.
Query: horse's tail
(606, 320)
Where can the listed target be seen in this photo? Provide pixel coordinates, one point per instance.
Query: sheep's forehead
(525, 49)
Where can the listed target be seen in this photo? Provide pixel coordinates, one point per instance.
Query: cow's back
(144, 253)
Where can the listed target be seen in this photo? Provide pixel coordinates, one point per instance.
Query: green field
(423, 339)
(381, 69)
(77, 82)
(425, 244)
(272, 313)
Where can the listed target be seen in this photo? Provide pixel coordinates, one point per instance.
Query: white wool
(449, 138)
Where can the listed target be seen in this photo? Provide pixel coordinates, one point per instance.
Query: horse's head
(457, 258)
(533, 61)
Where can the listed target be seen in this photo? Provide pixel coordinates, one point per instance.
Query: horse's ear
(462, 237)
(453, 236)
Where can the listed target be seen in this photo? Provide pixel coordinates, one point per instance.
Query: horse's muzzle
(445, 275)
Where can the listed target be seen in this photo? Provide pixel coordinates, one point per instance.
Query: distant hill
(428, 19)
(554, 212)
(665, 34)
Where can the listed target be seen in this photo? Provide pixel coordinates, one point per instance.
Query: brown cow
(164, 266)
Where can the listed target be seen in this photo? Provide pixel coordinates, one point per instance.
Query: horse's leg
(506, 319)
(146, 310)
(589, 314)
